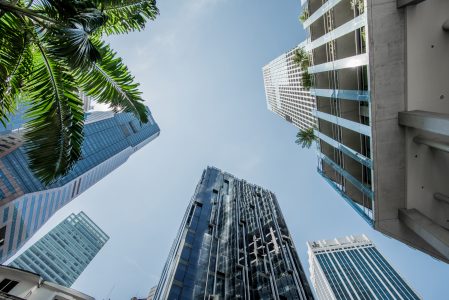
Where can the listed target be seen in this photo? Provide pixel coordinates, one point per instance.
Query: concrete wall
(428, 90)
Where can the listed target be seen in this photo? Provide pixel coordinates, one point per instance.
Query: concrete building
(233, 243)
(285, 93)
(380, 82)
(62, 254)
(26, 203)
(20, 285)
(352, 268)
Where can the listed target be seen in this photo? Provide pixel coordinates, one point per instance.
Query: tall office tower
(352, 268)
(26, 203)
(62, 254)
(285, 93)
(380, 82)
(233, 243)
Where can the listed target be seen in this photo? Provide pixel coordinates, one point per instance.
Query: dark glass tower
(233, 243)
(26, 203)
(62, 254)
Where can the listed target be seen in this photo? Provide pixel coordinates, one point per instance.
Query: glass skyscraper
(233, 243)
(352, 268)
(63, 253)
(26, 203)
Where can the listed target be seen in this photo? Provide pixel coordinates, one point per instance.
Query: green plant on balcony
(363, 36)
(306, 80)
(301, 58)
(358, 5)
(306, 137)
(304, 15)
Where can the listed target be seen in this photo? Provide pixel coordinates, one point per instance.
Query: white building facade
(18, 284)
(285, 94)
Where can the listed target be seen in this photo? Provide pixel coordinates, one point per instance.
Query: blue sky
(199, 65)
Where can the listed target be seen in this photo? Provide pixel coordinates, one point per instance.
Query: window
(7, 285)
(2, 235)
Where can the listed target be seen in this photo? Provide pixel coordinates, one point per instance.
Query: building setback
(233, 243)
(18, 284)
(352, 268)
(285, 94)
(26, 203)
(380, 82)
(62, 254)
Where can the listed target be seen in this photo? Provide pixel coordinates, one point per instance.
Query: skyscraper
(62, 254)
(233, 243)
(26, 203)
(352, 268)
(285, 92)
(380, 82)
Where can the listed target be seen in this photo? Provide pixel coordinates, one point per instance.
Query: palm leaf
(305, 137)
(53, 137)
(127, 15)
(109, 81)
(15, 62)
(72, 45)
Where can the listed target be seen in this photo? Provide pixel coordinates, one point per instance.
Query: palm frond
(81, 14)
(73, 45)
(305, 137)
(109, 81)
(54, 134)
(127, 15)
(15, 62)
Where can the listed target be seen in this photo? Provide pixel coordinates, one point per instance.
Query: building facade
(285, 93)
(18, 284)
(233, 243)
(352, 268)
(62, 254)
(26, 203)
(380, 82)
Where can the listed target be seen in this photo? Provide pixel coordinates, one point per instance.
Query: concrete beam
(404, 3)
(441, 197)
(424, 120)
(433, 143)
(435, 235)
(446, 25)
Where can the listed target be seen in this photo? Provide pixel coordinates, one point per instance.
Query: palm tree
(305, 137)
(50, 51)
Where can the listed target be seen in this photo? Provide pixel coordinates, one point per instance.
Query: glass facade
(233, 243)
(26, 204)
(352, 268)
(339, 54)
(62, 254)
